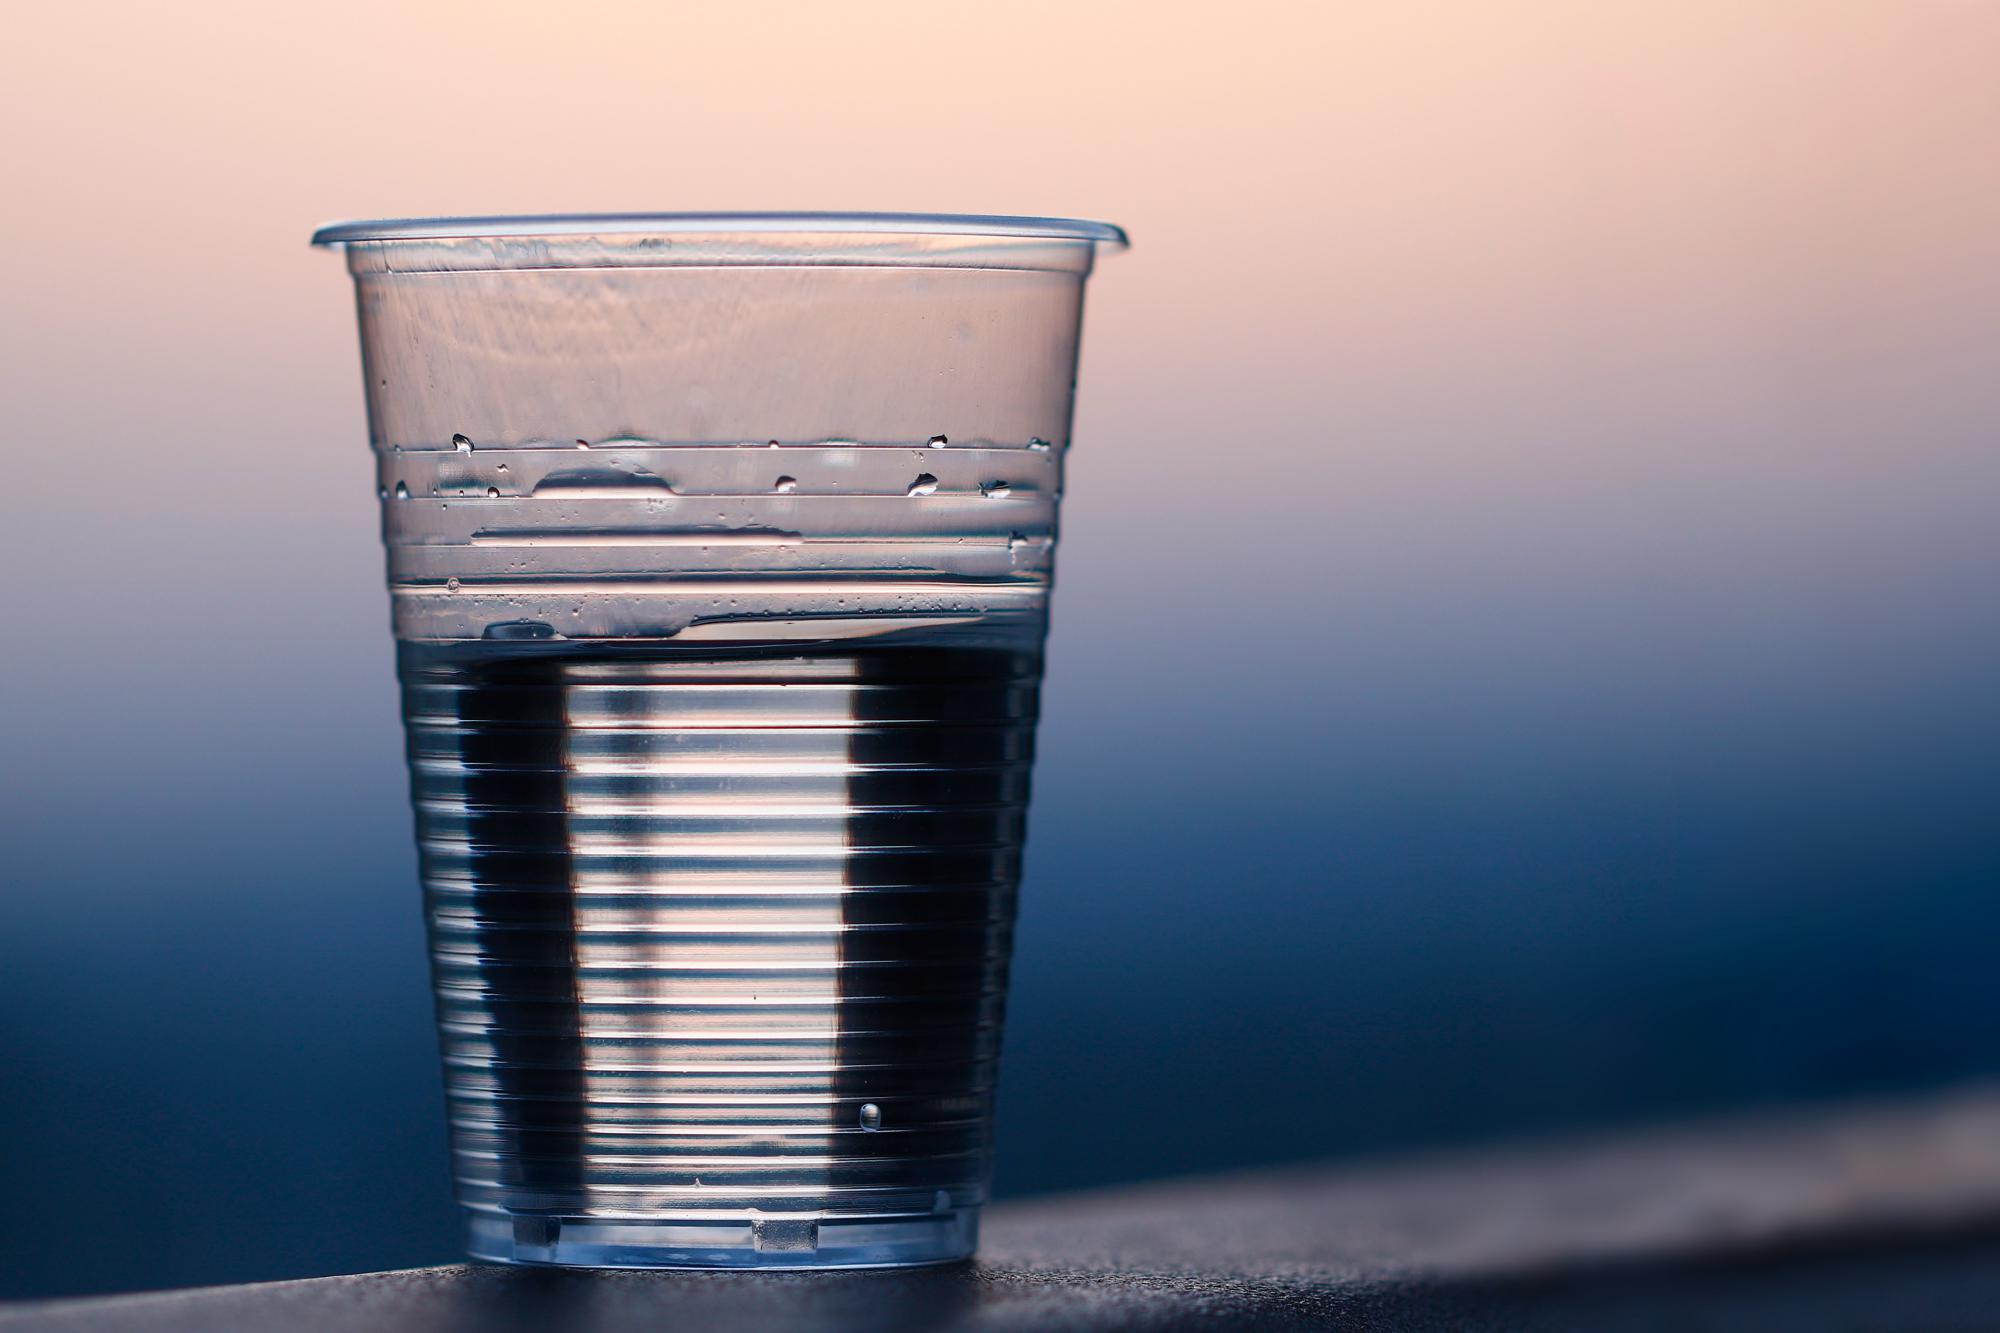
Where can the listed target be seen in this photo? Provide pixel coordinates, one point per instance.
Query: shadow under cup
(719, 553)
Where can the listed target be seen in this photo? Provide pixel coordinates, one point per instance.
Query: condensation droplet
(502, 467)
(520, 629)
(1039, 445)
(771, 445)
(871, 1116)
(628, 483)
(451, 585)
(402, 491)
(785, 485)
(938, 442)
(583, 444)
(381, 492)
(492, 492)
(925, 484)
(996, 490)
(461, 443)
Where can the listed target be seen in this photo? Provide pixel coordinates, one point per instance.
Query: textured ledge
(1885, 1216)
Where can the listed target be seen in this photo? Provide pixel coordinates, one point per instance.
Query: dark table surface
(1877, 1217)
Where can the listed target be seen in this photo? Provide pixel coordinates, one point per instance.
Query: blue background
(1442, 847)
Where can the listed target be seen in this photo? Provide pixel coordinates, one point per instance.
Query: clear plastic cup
(719, 556)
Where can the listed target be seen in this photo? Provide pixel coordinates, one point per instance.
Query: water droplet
(397, 448)
(583, 444)
(520, 629)
(772, 445)
(492, 492)
(1039, 445)
(402, 491)
(503, 467)
(460, 443)
(451, 585)
(938, 441)
(381, 492)
(940, 1202)
(785, 485)
(871, 1116)
(1015, 541)
(925, 484)
(996, 490)
(630, 483)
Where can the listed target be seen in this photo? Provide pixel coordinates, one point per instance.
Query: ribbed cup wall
(719, 555)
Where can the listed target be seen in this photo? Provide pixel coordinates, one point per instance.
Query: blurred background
(1527, 642)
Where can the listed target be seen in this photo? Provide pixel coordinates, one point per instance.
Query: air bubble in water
(785, 485)
(402, 491)
(871, 1116)
(462, 444)
(996, 490)
(925, 484)
(938, 441)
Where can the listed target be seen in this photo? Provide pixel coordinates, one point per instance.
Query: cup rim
(1101, 234)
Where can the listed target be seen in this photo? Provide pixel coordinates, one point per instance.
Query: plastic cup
(719, 555)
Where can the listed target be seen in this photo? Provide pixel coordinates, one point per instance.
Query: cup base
(777, 1242)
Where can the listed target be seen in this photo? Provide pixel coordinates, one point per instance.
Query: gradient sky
(1526, 637)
